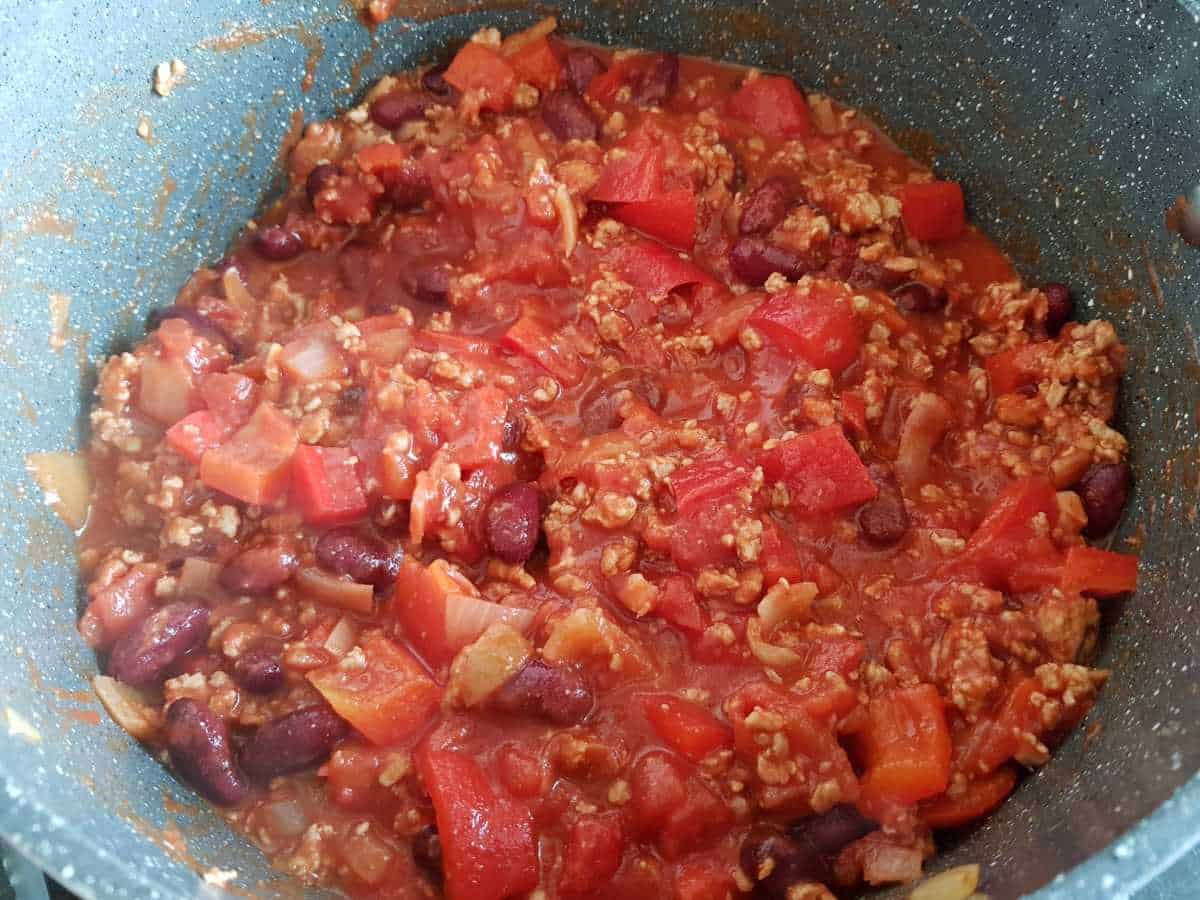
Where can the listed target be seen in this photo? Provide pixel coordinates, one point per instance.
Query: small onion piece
(333, 591)
(921, 432)
(236, 291)
(538, 30)
(958, 883)
(770, 655)
(198, 578)
(286, 817)
(786, 602)
(469, 615)
(342, 638)
(66, 484)
(127, 707)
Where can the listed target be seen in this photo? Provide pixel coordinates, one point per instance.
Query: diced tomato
(1102, 573)
(716, 475)
(376, 159)
(254, 465)
(230, 396)
(669, 216)
(687, 727)
(346, 202)
(603, 88)
(698, 536)
(635, 174)
(906, 747)
(933, 211)
(390, 699)
(1011, 370)
(778, 557)
(678, 605)
(854, 412)
(979, 798)
(441, 612)
(704, 880)
(830, 654)
(1008, 539)
(821, 470)
(673, 808)
(991, 742)
(532, 336)
(115, 608)
(537, 63)
(312, 356)
(772, 105)
(489, 849)
(326, 485)
(481, 69)
(654, 270)
(479, 441)
(192, 435)
(387, 337)
(592, 854)
(816, 324)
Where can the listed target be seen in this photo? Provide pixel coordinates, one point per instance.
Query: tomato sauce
(604, 474)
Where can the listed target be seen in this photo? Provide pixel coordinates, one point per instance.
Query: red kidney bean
(408, 185)
(1027, 390)
(568, 116)
(658, 82)
(435, 83)
(1104, 489)
(884, 520)
(349, 401)
(514, 430)
(320, 178)
(197, 741)
(259, 668)
(429, 282)
(915, 296)
(200, 323)
(754, 259)
(776, 863)
(1060, 307)
(558, 694)
(155, 643)
(366, 559)
(291, 743)
(513, 522)
(766, 206)
(827, 833)
(427, 851)
(866, 275)
(278, 243)
(582, 65)
(394, 109)
(260, 569)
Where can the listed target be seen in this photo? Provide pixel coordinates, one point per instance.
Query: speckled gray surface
(1073, 127)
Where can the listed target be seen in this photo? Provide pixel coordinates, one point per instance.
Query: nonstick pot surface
(1073, 130)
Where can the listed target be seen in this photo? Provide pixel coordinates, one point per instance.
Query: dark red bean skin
(366, 559)
(427, 851)
(803, 853)
(260, 569)
(766, 206)
(582, 66)
(914, 296)
(435, 83)
(549, 692)
(568, 117)
(884, 520)
(826, 834)
(278, 243)
(199, 322)
(320, 178)
(197, 741)
(292, 743)
(1104, 489)
(429, 283)
(753, 260)
(1060, 306)
(143, 655)
(658, 82)
(514, 430)
(259, 669)
(393, 110)
(513, 522)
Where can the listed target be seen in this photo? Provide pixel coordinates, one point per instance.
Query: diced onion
(536, 31)
(889, 864)
(127, 707)
(958, 883)
(286, 817)
(343, 637)
(770, 655)
(334, 591)
(198, 577)
(483, 667)
(66, 484)
(786, 602)
(311, 358)
(235, 290)
(921, 432)
(468, 616)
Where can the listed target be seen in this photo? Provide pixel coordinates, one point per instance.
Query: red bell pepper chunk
(654, 270)
(854, 412)
(981, 796)
(1090, 570)
(326, 485)
(817, 324)
(1007, 539)
(389, 700)
(533, 337)
(991, 742)
(933, 211)
(714, 476)
(489, 849)
(906, 747)
(592, 855)
(772, 105)
(821, 470)
(634, 174)
(482, 69)
(254, 465)
(687, 727)
(537, 63)
(669, 216)
(192, 435)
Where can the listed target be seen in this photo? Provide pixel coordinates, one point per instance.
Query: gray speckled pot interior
(1073, 129)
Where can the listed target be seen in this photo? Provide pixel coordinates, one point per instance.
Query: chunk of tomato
(816, 324)
(1010, 370)
(672, 806)
(254, 465)
(906, 747)
(534, 337)
(670, 217)
(1102, 573)
(687, 727)
(773, 105)
(537, 63)
(634, 173)
(326, 485)
(489, 849)
(195, 434)
(389, 700)
(933, 211)
(231, 397)
(592, 854)
(821, 470)
(483, 70)
(719, 474)
(1009, 538)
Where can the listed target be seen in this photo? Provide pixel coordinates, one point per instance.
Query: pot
(1072, 129)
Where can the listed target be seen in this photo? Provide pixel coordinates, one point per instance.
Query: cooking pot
(1073, 130)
